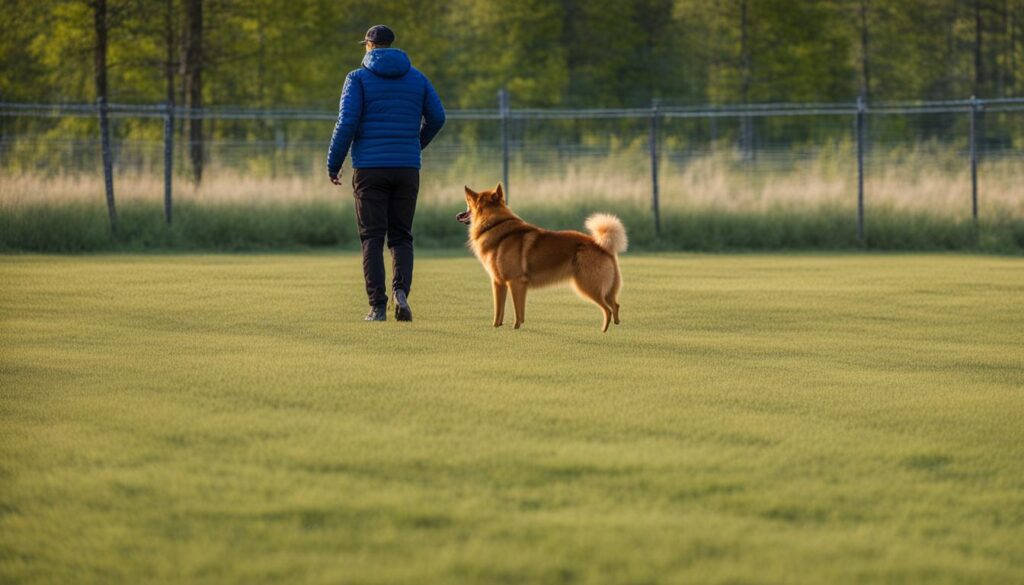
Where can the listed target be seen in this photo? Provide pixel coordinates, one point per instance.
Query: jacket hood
(387, 62)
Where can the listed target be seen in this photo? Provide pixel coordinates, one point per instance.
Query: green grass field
(755, 419)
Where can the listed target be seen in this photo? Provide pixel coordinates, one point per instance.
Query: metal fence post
(974, 160)
(168, 160)
(108, 163)
(861, 111)
(654, 168)
(503, 111)
(747, 138)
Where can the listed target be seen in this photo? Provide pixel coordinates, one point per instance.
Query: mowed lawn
(755, 419)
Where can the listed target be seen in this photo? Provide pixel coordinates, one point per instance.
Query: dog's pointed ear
(470, 192)
(499, 193)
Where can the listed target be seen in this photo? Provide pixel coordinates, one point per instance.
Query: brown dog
(519, 256)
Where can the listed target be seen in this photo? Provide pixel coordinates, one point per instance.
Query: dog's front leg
(500, 294)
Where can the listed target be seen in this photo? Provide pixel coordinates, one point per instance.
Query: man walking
(389, 112)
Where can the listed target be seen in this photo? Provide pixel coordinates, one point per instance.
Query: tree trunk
(170, 63)
(1011, 65)
(169, 119)
(101, 24)
(261, 59)
(865, 84)
(746, 125)
(194, 83)
(744, 54)
(979, 71)
(950, 85)
(1001, 55)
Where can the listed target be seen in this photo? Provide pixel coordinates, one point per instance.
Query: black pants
(385, 205)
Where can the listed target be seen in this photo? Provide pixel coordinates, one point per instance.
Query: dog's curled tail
(608, 232)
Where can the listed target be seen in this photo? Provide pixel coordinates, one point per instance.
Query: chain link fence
(961, 157)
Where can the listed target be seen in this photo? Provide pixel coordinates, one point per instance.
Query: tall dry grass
(915, 181)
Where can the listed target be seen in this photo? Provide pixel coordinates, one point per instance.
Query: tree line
(568, 53)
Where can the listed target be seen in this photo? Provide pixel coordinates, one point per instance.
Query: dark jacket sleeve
(433, 114)
(350, 110)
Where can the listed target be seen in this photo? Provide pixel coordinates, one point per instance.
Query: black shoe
(402, 310)
(377, 313)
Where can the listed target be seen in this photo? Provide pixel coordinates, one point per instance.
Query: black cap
(379, 35)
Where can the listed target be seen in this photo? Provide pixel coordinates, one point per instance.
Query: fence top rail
(12, 109)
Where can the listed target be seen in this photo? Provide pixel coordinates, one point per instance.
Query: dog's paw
(498, 324)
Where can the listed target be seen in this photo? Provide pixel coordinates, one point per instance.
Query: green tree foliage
(572, 53)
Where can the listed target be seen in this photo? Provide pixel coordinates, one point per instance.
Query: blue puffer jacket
(389, 112)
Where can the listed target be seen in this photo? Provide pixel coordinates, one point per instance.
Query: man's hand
(336, 179)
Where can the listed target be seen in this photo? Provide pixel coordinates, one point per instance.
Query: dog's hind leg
(591, 290)
(607, 317)
(610, 301)
(500, 295)
(612, 298)
(518, 300)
